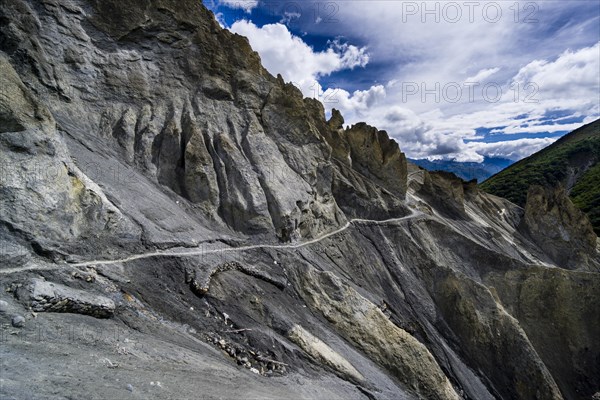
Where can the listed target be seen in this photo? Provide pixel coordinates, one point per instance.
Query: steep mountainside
(466, 170)
(572, 161)
(175, 223)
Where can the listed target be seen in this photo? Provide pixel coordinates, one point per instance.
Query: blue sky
(457, 80)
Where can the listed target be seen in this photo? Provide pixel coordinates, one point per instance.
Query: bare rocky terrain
(176, 223)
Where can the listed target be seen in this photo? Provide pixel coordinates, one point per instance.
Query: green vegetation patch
(574, 156)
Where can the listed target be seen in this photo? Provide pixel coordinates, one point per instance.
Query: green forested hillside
(572, 161)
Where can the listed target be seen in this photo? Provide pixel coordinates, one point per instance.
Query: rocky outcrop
(369, 151)
(52, 297)
(323, 353)
(199, 279)
(562, 231)
(445, 192)
(360, 152)
(238, 236)
(364, 324)
(557, 309)
(210, 137)
(377, 156)
(493, 337)
(335, 136)
(47, 201)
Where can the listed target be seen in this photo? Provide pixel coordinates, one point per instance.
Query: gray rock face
(260, 168)
(548, 305)
(39, 178)
(247, 247)
(52, 297)
(476, 318)
(3, 306)
(323, 353)
(445, 192)
(561, 230)
(371, 178)
(376, 155)
(364, 324)
(18, 321)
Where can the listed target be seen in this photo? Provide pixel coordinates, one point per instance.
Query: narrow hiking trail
(169, 253)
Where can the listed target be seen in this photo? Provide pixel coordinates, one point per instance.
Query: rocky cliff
(572, 162)
(175, 222)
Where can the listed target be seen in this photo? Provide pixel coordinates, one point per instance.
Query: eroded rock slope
(175, 222)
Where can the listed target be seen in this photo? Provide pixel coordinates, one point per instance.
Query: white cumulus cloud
(287, 54)
(354, 106)
(482, 75)
(572, 74)
(511, 149)
(430, 54)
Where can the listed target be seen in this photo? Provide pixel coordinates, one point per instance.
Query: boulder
(52, 297)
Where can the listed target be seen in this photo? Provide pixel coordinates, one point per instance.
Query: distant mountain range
(572, 161)
(467, 170)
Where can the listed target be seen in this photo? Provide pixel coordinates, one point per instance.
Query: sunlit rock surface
(243, 246)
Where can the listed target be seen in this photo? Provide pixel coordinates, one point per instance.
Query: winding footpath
(168, 253)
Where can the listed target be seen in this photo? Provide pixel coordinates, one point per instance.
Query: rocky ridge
(286, 256)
